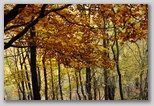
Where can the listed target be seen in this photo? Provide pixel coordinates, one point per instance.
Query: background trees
(76, 52)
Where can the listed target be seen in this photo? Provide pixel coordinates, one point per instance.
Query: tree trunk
(117, 66)
(22, 73)
(70, 88)
(141, 90)
(88, 83)
(106, 83)
(52, 81)
(82, 90)
(28, 84)
(146, 87)
(95, 88)
(105, 42)
(45, 78)
(18, 92)
(60, 86)
(111, 88)
(116, 59)
(120, 82)
(35, 85)
(77, 86)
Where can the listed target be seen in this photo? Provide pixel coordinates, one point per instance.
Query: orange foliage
(74, 34)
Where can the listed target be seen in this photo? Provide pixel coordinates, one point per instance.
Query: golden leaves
(72, 35)
(145, 68)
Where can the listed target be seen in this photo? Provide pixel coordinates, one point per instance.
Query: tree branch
(13, 13)
(78, 24)
(42, 14)
(15, 26)
(7, 45)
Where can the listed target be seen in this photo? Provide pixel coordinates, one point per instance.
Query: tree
(90, 39)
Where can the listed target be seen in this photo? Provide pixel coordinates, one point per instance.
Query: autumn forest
(75, 52)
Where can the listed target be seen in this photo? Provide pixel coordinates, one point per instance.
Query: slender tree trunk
(35, 85)
(19, 92)
(45, 78)
(39, 77)
(23, 90)
(111, 88)
(60, 86)
(56, 92)
(82, 90)
(77, 86)
(141, 85)
(120, 82)
(146, 87)
(28, 84)
(88, 83)
(106, 83)
(70, 88)
(99, 94)
(22, 73)
(19, 88)
(95, 88)
(105, 42)
(52, 81)
(116, 58)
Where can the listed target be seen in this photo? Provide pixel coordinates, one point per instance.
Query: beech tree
(76, 51)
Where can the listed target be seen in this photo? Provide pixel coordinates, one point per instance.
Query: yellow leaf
(41, 92)
(145, 68)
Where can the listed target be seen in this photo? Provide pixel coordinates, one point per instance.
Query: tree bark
(88, 83)
(77, 86)
(28, 84)
(116, 58)
(141, 85)
(111, 88)
(35, 85)
(52, 81)
(82, 90)
(45, 78)
(106, 83)
(95, 88)
(13, 13)
(70, 88)
(13, 39)
(41, 15)
(60, 86)
(22, 73)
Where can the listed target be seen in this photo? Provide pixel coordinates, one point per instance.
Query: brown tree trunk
(116, 58)
(106, 84)
(45, 78)
(88, 83)
(28, 84)
(52, 81)
(111, 88)
(35, 85)
(82, 90)
(105, 42)
(95, 88)
(70, 88)
(141, 85)
(22, 73)
(146, 87)
(77, 86)
(60, 86)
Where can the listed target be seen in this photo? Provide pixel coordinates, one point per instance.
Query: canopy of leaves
(75, 32)
(77, 36)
